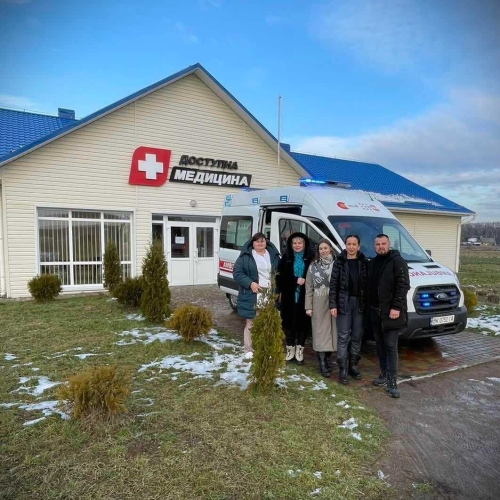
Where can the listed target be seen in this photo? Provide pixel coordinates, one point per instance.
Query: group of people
(334, 298)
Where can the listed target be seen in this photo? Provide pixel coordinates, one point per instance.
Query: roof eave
(431, 212)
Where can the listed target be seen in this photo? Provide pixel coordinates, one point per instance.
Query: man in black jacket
(388, 285)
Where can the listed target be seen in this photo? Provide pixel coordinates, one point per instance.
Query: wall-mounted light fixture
(193, 203)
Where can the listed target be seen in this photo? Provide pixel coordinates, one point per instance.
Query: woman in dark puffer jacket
(347, 302)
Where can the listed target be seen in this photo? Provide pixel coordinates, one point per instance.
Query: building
(487, 242)
(157, 163)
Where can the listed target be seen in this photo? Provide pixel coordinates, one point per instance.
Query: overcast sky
(412, 85)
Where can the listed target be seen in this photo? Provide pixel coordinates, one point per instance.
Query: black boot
(322, 364)
(342, 371)
(392, 385)
(353, 367)
(381, 380)
(327, 362)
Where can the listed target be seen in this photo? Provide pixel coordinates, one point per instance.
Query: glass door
(204, 257)
(180, 253)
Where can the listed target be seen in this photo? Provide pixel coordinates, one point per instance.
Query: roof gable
(393, 190)
(203, 75)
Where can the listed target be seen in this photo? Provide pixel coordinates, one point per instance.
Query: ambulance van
(323, 209)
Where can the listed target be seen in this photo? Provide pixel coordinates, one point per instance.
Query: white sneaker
(299, 354)
(290, 352)
(248, 355)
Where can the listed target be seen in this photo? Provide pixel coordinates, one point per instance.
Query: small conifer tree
(112, 268)
(155, 299)
(267, 342)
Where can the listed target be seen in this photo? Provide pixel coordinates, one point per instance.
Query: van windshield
(368, 227)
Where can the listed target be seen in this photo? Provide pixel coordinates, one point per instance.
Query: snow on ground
(43, 384)
(491, 323)
(343, 404)
(135, 317)
(147, 336)
(84, 356)
(9, 357)
(317, 491)
(351, 424)
(46, 407)
(494, 379)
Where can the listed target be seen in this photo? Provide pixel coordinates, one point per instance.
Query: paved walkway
(417, 359)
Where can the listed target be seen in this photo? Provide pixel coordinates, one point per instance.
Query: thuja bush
(45, 287)
(155, 300)
(470, 300)
(190, 321)
(100, 391)
(129, 292)
(267, 342)
(112, 268)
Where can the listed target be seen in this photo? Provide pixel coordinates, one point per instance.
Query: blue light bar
(306, 181)
(426, 304)
(424, 295)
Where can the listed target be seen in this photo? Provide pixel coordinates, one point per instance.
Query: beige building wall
(438, 233)
(89, 168)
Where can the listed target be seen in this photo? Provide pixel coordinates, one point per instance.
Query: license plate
(442, 320)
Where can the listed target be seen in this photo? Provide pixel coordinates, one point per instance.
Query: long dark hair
(329, 243)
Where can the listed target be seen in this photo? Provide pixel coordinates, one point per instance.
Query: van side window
(235, 232)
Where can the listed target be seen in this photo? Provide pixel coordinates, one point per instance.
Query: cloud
(12, 101)
(185, 34)
(452, 149)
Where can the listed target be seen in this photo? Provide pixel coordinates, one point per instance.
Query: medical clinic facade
(160, 163)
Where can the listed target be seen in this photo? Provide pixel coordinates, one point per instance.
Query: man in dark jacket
(388, 285)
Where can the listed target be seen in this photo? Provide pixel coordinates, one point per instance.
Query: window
(289, 226)
(235, 232)
(368, 227)
(71, 244)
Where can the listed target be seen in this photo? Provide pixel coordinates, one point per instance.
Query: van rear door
(283, 225)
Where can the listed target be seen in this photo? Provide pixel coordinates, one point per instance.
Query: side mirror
(429, 252)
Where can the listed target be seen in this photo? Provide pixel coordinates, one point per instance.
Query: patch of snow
(337, 472)
(43, 384)
(46, 407)
(400, 198)
(147, 336)
(359, 407)
(112, 299)
(333, 395)
(35, 369)
(142, 415)
(349, 424)
(8, 405)
(9, 357)
(318, 474)
(135, 317)
(494, 379)
(319, 386)
(147, 401)
(213, 340)
(248, 355)
(294, 473)
(343, 404)
(84, 356)
(356, 435)
(368, 426)
(381, 475)
(31, 422)
(317, 491)
(484, 321)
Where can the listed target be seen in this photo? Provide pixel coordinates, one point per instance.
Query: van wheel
(233, 301)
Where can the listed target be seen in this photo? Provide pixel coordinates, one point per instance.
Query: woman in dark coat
(291, 281)
(258, 259)
(348, 285)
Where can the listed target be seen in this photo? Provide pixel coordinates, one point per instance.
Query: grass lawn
(183, 437)
(480, 268)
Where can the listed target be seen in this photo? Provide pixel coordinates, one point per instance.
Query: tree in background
(112, 269)
(155, 299)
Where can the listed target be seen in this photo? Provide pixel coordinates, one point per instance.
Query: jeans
(349, 329)
(387, 343)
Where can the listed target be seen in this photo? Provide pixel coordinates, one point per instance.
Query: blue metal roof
(393, 190)
(20, 128)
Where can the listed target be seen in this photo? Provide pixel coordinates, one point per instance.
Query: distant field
(480, 267)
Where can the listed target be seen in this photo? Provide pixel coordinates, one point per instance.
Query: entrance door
(180, 253)
(192, 253)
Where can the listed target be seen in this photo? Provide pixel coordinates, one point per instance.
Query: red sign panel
(149, 166)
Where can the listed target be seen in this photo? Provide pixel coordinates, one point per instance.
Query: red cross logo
(149, 166)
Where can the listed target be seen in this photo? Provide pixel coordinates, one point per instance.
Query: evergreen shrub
(129, 292)
(112, 269)
(267, 342)
(493, 299)
(155, 300)
(190, 321)
(45, 287)
(470, 300)
(99, 391)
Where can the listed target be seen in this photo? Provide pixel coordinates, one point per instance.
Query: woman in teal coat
(258, 260)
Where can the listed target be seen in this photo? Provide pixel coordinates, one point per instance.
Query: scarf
(321, 271)
(298, 270)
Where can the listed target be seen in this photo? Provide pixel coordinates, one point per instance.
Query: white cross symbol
(151, 167)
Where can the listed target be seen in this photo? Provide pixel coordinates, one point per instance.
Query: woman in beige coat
(324, 327)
